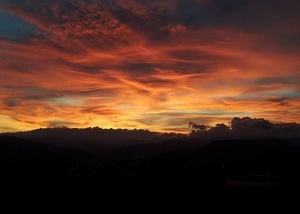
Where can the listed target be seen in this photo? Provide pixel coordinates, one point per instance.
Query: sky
(149, 64)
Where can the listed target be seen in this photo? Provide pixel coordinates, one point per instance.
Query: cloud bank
(249, 128)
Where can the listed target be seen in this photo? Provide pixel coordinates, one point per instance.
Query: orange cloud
(148, 65)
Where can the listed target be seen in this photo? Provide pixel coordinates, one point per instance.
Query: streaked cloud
(147, 64)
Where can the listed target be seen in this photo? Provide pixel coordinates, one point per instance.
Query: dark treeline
(230, 166)
(94, 139)
(249, 155)
(98, 140)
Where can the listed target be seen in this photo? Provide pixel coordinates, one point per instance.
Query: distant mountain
(148, 150)
(235, 151)
(13, 148)
(135, 144)
(94, 139)
(177, 160)
(222, 151)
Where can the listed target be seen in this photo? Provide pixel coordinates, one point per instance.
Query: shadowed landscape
(136, 158)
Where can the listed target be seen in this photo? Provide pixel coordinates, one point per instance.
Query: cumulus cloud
(246, 123)
(250, 128)
(201, 127)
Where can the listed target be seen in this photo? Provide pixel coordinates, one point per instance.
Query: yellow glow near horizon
(101, 70)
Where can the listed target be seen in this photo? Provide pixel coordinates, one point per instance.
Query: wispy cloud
(143, 63)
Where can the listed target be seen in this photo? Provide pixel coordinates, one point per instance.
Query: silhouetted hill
(13, 148)
(148, 150)
(168, 164)
(94, 139)
(232, 151)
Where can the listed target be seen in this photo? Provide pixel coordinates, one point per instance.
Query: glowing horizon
(145, 64)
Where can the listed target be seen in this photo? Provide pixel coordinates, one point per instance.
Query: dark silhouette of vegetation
(149, 161)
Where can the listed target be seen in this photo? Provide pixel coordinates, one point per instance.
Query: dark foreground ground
(165, 173)
(259, 170)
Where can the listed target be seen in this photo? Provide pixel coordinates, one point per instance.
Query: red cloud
(132, 62)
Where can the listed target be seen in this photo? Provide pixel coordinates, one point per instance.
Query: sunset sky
(149, 64)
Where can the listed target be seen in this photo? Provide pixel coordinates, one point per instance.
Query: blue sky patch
(15, 28)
